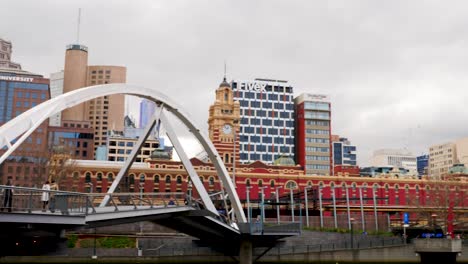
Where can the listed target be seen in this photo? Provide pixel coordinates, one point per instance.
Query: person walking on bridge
(45, 195)
(7, 197)
(53, 187)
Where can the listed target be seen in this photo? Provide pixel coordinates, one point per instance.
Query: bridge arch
(23, 125)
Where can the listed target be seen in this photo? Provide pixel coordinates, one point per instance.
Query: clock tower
(223, 123)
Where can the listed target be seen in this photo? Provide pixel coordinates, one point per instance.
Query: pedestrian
(53, 187)
(7, 197)
(258, 223)
(171, 201)
(45, 195)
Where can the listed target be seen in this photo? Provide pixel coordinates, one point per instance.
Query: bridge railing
(266, 228)
(30, 200)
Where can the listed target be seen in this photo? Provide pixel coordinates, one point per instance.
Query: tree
(440, 202)
(55, 164)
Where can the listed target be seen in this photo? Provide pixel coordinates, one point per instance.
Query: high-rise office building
(266, 119)
(104, 113)
(56, 89)
(6, 48)
(20, 91)
(147, 108)
(313, 133)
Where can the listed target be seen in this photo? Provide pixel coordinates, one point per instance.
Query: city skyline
(395, 75)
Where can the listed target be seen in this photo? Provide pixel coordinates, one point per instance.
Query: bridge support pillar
(245, 252)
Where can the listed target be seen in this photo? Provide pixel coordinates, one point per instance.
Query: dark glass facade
(19, 92)
(422, 163)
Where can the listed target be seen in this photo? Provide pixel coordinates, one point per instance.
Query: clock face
(227, 129)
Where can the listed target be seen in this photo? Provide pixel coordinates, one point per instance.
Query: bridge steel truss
(23, 125)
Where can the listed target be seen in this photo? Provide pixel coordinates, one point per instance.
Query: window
(142, 177)
(88, 177)
(179, 180)
(168, 179)
(211, 181)
(99, 176)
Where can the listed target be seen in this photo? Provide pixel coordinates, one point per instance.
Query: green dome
(284, 161)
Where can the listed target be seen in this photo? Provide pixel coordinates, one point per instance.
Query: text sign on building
(317, 97)
(16, 78)
(252, 86)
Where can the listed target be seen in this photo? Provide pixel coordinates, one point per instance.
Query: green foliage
(71, 240)
(116, 242)
(108, 242)
(87, 243)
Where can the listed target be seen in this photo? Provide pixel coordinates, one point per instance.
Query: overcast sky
(396, 71)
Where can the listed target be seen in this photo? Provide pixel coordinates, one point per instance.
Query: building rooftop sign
(16, 78)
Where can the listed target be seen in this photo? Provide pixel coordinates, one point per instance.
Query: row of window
(31, 95)
(317, 123)
(266, 131)
(262, 96)
(101, 71)
(317, 115)
(267, 122)
(255, 140)
(246, 112)
(315, 157)
(131, 178)
(264, 148)
(317, 106)
(266, 105)
(317, 167)
(317, 149)
(317, 132)
(317, 140)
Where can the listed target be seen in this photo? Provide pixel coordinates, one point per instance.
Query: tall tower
(223, 123)
(74, 77)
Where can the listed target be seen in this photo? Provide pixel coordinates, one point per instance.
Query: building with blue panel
(19, 92)
(344, 153)
(266, 119)
(422, 163)
(147, 108)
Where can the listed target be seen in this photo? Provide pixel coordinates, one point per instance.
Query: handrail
(29, 200)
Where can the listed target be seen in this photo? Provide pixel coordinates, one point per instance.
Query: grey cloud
(395, 70)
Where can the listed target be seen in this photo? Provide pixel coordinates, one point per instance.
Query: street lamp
(306, 202)
(292, 203)
(249, 214)
(142, 187)
(434, 222)
(277, 204)
(352, 233)
(189, 188)
(262, 204)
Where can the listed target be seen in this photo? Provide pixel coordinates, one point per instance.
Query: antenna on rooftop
(78, 27)
(224, 70)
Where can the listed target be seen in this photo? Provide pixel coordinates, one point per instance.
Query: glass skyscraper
(19, 92)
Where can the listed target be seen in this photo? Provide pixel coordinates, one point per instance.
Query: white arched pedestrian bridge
(203, 223)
